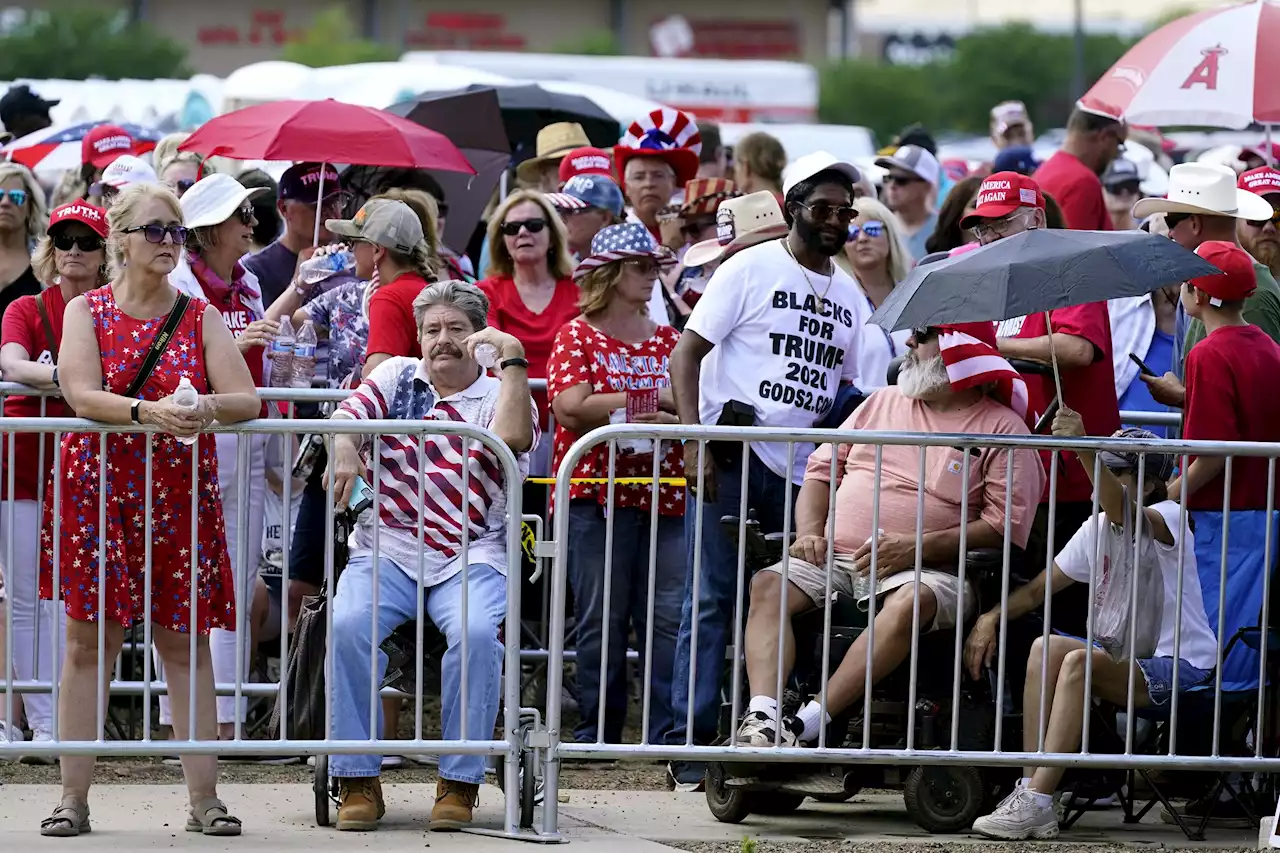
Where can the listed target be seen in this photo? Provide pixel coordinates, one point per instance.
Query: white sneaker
(40, 737)
(392, 762)
(759, 729)
(1019, 818)
(9, 734)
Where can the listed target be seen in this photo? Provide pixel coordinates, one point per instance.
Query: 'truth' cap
(391, 224)
(82, 212)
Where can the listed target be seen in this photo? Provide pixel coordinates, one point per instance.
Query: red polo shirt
(22, 326)
(392, 330)
(1077, 190)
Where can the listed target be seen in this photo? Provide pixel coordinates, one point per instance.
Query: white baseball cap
(914, 159)
(811, 164)
(214, 199)
(127, 170)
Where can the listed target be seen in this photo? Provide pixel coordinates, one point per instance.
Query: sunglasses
(902, 180)
(156, 233)
(1173, 220)
(924, 334)
(65, 243)
(533, 226)
(246, 214)
(1258, 223)
(872, 228)
(823, 211)
(18, 197)
(644, 266)
(181, 186)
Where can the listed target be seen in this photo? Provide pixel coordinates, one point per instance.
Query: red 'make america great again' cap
(1002, 194)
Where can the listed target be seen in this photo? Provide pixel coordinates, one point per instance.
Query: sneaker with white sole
(759, 729)
(40, 737)
(1020, 817)
(10, 734)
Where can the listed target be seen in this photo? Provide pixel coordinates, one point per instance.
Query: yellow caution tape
(621, 481)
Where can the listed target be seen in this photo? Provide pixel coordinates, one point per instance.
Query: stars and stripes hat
(971, 357)
(619, 242)
(666, 134)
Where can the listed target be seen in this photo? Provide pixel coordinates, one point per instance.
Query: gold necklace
(830, 279)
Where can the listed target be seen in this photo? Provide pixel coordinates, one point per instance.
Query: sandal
(210, 817)
(69, 819)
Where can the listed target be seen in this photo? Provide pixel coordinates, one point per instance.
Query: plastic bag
(1126, 632)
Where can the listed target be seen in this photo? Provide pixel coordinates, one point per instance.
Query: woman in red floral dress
(106, 336)
(610, 361)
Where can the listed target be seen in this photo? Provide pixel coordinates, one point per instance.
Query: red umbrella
(326, 132)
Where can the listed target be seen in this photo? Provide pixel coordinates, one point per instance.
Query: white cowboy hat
(740, 222)
(1205, 188)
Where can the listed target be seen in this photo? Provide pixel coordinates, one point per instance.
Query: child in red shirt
(1227, 377)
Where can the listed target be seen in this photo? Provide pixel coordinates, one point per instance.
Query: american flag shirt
(400, 389)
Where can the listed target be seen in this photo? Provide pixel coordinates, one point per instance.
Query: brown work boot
(455, 801)
(360, 804)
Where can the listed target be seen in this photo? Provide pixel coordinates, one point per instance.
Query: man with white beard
(952, 381)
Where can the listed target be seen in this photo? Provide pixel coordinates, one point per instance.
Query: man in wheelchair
(419, 527)
(1029, 811)
(952, 381)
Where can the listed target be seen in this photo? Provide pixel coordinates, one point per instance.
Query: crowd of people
(665, 281)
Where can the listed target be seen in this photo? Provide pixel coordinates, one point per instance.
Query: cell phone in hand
(361, 497)
(1142, 365)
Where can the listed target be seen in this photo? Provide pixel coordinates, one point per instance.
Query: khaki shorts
(812, 581)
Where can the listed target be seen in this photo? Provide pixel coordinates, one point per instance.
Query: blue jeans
(629, 607)
(766, 494)
(397, 604)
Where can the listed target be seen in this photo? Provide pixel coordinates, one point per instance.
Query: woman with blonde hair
(125, 349)
(22, 223)
(758, 162)
(530, 285)
(877, 258)
(71, 259)
(614, 369)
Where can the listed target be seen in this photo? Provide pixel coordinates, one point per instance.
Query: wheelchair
(939, 798)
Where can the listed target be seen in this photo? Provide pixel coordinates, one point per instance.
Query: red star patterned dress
(584, 354)
(123, 342)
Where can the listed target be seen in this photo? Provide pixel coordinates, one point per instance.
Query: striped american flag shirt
(399, 389)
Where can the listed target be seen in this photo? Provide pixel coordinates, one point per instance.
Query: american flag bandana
(971, 357)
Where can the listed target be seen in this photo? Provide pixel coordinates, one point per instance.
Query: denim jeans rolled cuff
(628, 611)
(354, 633)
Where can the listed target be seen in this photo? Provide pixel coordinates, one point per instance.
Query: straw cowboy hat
(553, 143)
(1207, 189)
(740, 222)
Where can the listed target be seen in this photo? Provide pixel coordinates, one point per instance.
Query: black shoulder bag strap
(48, 327)
(158, 345)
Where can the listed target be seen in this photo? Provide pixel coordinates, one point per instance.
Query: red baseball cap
(1263, 180)
(585, 161)
(82, 212)
(1002, 194)
(1237, 280)
(1263, 151)
(102, 145)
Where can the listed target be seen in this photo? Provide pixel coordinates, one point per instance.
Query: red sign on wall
(739, 39)
(265, 28)
(465, 31)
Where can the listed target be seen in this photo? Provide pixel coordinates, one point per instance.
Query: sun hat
(665, 134)
(127, 170)
(811, 164)
(740, 222)
(619, 242)
(390, 224)
(703, 195)
(213, 200)
(1208, 189)
(82, 212)
(1002, 194)
(553, 142)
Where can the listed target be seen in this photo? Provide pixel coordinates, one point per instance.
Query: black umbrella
(1037, 270)
(526, 109)
(473, 122)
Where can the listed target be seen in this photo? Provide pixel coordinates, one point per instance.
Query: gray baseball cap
(391, 224)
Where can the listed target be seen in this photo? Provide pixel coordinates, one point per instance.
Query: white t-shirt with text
(1199, 646)
(784, 340)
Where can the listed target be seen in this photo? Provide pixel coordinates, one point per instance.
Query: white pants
(223, 645)
(33, 632)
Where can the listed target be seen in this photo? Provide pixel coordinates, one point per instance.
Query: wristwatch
(514, 362)
(135, 411)
(55, 377)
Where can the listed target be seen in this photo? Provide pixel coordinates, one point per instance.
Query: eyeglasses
(1259, 223)
(822, 211)
(997, 227)
(65, 242)
(872, 228)
(533, 226)
(902, 180)
(17, 197)
(246, 214)
(156, 233)
(644, 266)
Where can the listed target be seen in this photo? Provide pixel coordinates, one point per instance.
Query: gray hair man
(419, 514)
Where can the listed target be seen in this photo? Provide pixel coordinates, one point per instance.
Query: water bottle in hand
(862, 583)
(282, 355)
(304, 356)
(186, 397)
(321, 266)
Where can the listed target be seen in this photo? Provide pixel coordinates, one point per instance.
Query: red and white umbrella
(1216, 68)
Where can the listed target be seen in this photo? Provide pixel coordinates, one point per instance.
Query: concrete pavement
(280, 819)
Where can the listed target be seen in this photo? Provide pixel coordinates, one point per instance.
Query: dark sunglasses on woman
(533, 226)
(156, 233)
(246, 214)
(65, 242)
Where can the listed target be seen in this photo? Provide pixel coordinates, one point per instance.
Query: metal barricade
(942, 742)
(509, 746)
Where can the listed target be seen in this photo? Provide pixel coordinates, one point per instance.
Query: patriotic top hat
(667, 134)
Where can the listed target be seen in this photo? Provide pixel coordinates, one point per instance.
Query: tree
(330, 41)
(82, 41)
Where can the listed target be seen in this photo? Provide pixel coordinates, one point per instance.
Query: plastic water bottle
(862, 583)
(304, 356)
(186, 397)
(486, 355)
(320, 267)
(282, 355)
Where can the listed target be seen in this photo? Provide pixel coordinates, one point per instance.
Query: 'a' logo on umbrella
(1206, 73)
